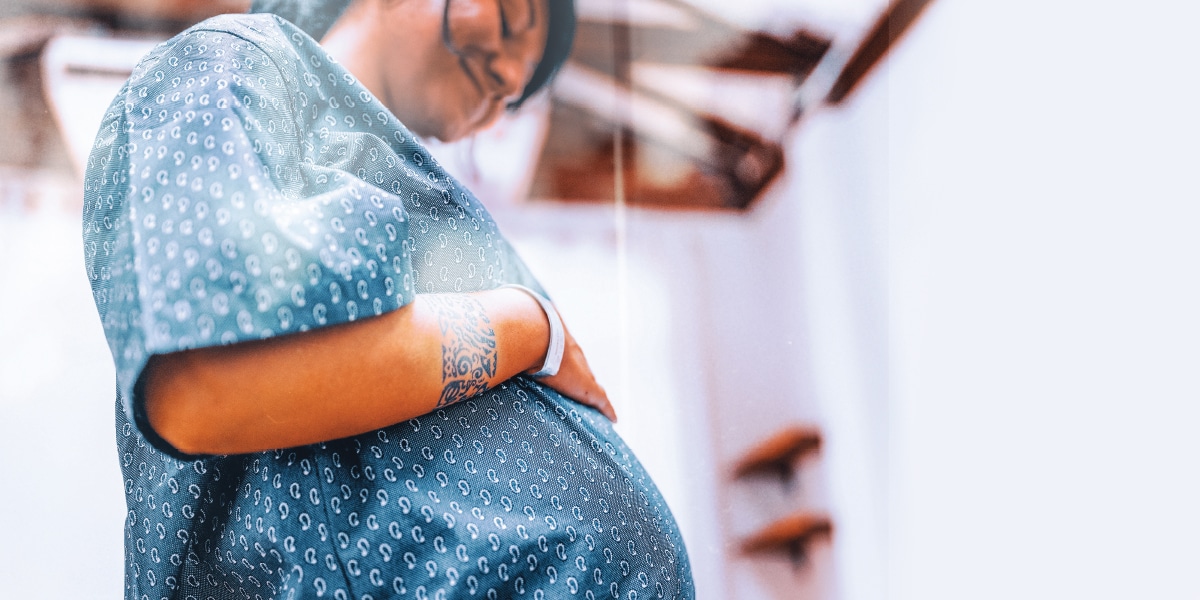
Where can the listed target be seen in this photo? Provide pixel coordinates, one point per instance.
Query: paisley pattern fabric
(244, 185)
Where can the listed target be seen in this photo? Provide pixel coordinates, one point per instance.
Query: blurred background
(896, 299)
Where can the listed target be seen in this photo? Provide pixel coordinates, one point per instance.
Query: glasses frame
(463, 55)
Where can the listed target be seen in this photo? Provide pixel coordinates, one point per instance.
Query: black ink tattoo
(468, 347)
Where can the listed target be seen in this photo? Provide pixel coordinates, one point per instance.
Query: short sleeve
(202, 228)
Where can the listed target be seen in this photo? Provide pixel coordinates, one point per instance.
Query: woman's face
(472, 57)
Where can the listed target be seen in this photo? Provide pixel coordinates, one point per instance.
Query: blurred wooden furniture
(612, 137)
(789, 536)
(882, 36)
(779, 453)
(138, 15)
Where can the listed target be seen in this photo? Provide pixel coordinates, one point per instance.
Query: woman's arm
(351, 378)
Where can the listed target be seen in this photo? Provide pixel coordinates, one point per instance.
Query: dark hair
(560, 36)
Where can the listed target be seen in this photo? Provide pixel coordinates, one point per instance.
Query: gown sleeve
(204, 224)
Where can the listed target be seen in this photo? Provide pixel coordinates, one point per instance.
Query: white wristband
(554, 352)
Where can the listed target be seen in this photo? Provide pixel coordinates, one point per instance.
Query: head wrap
(315, 17)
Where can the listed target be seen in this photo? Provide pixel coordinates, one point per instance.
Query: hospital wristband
(554, 352)
(557, 334)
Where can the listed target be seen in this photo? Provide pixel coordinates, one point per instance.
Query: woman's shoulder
(268, 31)
(261, 28)
(232, 41)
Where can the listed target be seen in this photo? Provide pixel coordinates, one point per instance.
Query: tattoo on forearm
(468, 347)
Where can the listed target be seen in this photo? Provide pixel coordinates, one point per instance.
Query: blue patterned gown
(244, 186)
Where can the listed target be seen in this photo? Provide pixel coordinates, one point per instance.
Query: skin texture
(441, 92)
(356, 377)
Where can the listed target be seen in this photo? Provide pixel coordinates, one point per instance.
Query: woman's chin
(454, 128)
(442, 131)
(447, 128)
(447, 138)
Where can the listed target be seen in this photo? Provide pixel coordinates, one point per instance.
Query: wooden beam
(156, 15)
(710, 45)
(577, 163)
(888, 28)
(672, 155)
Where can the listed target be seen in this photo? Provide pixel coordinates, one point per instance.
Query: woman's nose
(508, 75)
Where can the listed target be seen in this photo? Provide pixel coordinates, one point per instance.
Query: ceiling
(685, 103)
(664, 103)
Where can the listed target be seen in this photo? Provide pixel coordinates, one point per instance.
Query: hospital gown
(243, 186)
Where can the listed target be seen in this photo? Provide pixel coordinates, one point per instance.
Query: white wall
(986, 266)
(61, 504)
(1043, 209)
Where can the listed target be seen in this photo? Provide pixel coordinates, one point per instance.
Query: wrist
(552, 357)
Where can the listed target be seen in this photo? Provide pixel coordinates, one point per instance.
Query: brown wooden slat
(727, 170)
(577, 164)
(158, 15)
(711, 46)
(780, 452)
(888, 28)
(789, 535)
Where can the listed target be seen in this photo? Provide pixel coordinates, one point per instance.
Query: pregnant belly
(516, 492)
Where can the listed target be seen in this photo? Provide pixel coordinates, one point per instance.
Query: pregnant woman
(335, 379)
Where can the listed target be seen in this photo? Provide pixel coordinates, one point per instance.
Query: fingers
(576, 381)
(582, 388)
(601, 403)
(590, 392)
(609, 411)
(578, 384)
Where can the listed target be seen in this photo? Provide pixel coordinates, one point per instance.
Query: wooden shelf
(779, 453)
(788, 536)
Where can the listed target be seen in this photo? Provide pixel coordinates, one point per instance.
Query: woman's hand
(576, 381)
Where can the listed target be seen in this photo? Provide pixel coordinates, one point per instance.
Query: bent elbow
(174, 406)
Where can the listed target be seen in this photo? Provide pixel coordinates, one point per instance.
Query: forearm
(343, 380)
